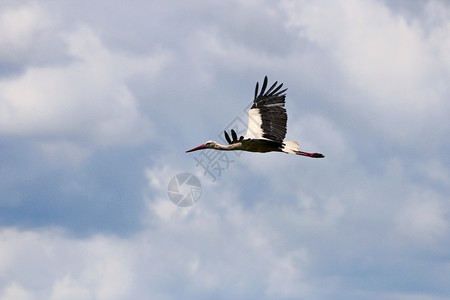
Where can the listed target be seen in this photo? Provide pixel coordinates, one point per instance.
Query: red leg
(315, 155)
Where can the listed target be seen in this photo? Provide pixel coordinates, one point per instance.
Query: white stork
(266, 126)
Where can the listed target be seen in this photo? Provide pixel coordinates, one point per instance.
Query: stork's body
(266, 126)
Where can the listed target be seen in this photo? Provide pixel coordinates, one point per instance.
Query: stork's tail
(290, 147)
(293, 148)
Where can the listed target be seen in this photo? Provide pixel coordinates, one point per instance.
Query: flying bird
(266, 129)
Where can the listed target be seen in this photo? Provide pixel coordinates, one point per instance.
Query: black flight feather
(234, 136)
(227, 137)
(270, 105)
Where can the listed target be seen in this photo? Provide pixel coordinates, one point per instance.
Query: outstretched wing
(267, 116)
(234, 136)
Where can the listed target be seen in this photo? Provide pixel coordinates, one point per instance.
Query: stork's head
(207, 145)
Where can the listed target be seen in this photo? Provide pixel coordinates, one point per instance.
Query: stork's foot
(315, 155)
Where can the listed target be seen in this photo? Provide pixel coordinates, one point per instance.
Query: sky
(100, 99)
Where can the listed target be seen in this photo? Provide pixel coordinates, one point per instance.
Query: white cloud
(396, 67)
(423, 220)
(361, 223)
(28, 37)
(434, 170)
(15, 292)
(285, 278)
(67, 289)
(20, 25)
(277, 248)
(65, 152)
(87, 98)
(47, 264)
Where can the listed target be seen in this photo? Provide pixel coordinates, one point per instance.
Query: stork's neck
(235, 146)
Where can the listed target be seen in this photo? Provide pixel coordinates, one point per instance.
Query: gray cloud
(99, 101)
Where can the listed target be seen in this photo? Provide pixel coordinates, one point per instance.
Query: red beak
(197, 148)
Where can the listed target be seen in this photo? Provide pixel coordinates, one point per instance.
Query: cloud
(393, 65)
(15, 291)
(423, 221)
(100, 102)
(28, 30)
(63, 152)
(101, 272)
(85, 99)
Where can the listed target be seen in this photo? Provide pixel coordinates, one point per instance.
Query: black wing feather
(234, 136)
(271, 88)
(271, 108)
(227, 137)
(276, 90)
(263, 88)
